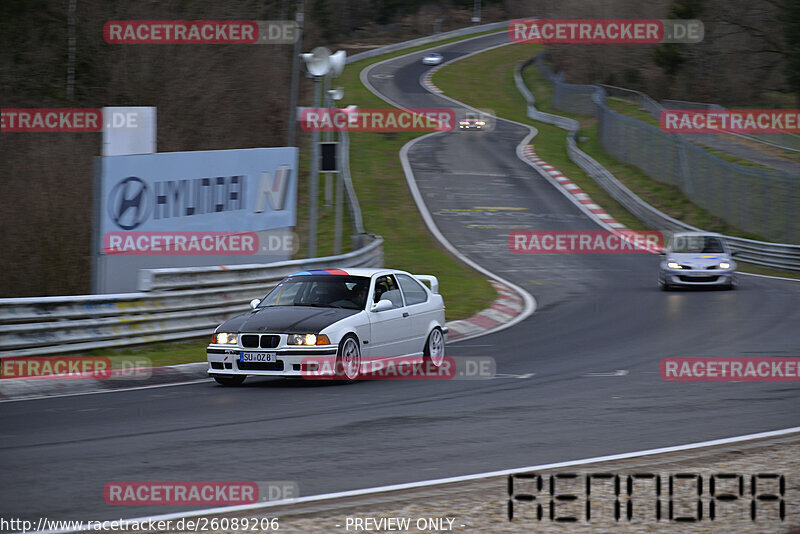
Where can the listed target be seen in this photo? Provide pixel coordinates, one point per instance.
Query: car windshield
(697, 244)
(324, 291)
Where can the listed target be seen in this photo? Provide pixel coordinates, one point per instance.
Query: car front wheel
(348, 359)
(663, 284)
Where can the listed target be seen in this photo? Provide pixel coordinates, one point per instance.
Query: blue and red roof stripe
(323, 271)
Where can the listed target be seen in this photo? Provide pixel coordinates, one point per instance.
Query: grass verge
(491, 84)
(389, 210)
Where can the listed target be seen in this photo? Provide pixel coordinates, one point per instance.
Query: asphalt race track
(593, 346)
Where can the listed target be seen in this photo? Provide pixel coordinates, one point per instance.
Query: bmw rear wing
(430, 279)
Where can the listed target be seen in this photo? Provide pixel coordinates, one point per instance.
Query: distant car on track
(342, 314)
(471, 121)
(697, 259)
(432, 59)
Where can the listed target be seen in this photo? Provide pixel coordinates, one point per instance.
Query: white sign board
(129, 130)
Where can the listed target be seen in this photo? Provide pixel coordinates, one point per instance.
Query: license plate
(257, 357)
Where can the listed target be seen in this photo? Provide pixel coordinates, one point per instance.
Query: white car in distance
(432, 59)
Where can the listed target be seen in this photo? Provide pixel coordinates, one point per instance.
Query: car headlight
(674, 265)
(225, 338)
(724, 265)
(308, 339)
(463, 123)
(481, 123)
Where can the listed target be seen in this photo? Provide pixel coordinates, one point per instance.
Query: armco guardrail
(775, 255)
(427, 40)
(194, 277)
(176, 304)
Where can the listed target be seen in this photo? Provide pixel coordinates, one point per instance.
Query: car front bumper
(697, 277)
(225, 361)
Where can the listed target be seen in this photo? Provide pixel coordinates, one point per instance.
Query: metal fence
(782, 140)
(760, 201)
(776, 255)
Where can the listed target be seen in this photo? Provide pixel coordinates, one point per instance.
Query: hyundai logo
(130, 203)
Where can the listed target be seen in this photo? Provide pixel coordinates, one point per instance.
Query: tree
(791, 32)
(669, 56)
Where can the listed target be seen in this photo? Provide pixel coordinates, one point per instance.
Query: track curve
(596, 315)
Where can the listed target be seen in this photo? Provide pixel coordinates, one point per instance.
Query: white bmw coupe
(346, 315)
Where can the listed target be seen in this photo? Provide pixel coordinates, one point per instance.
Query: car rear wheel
(434, 348)
(230, 380)
(348, 359)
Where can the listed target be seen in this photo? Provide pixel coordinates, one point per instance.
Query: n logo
(274, 189)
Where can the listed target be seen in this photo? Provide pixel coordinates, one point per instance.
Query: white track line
(529, 300)
(133, 388)
(451, 480)
(738, 273)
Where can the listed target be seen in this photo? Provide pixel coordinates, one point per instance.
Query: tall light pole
(318, 64)
(327, 137)
(298, 43)
(71, 46)
(335, 95)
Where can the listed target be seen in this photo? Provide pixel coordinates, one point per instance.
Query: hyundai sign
(185, 209)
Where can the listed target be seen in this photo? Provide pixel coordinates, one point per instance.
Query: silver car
(432, 59)
(696, 259)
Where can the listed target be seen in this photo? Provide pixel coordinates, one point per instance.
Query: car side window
(386, 288)
(412, 290)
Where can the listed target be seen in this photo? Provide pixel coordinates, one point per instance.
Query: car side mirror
(662, 253)
(254, 303)
(736, 252)
(382, 305)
